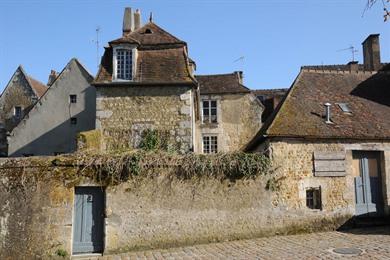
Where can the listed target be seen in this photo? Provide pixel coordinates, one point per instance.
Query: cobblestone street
(368, 243)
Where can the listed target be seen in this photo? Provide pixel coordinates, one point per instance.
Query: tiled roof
(336, 67)
(38, 87)
(149, 34)
(270, 93)
(161, 58)
(365, 94)
(220, 84)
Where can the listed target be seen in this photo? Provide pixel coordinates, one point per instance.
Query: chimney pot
(127, 21)
(371, 53)
(137, 19)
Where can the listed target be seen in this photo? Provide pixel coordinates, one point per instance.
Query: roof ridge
(29, 78)
(210, 75)
(340, 71)
(270, 89)
(49, 87)
(280, 106)
(164, 31)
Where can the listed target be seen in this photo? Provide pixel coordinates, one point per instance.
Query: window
(209, 111)
(73, 121)
(313, 198)
(73, 98)
(344, 107)
(261, 98)
(210, 144)
(124, 64)
(18, 112)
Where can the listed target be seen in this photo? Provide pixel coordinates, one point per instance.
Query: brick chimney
(52, 77)
(371, 52)
(128, 25)
(353, 66)
(137, 19)
(240, 76)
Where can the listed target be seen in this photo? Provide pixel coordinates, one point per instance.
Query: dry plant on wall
(113, 169)
(371, 3)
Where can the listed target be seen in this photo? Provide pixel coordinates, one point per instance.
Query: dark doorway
(368, 183)
(88, 223)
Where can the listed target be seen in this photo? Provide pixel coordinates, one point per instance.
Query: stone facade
(17, 93)
(239, 119)
(293, 161)
(154, 211)
(48, 128)
(124, 112)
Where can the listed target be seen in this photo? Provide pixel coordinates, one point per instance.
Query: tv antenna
(241, 60)
(352, 50)
(96, 41)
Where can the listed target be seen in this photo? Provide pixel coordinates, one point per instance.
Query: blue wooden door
(368, 192)
(88, 220)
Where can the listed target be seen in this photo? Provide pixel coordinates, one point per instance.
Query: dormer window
(124, 63)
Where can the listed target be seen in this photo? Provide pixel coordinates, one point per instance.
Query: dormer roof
(149, 34)
(161, 58)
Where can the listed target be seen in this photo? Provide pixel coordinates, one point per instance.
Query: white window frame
(131, 48)
(209, 121)
(21, 112)
(203, 145)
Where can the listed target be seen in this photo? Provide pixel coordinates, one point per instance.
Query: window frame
(209, 119)
(70, 98)
(21, 112)
(314, 202)
(133, 50)
(210, 150)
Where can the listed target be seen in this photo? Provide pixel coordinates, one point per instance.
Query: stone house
(65, 109)
(146, 81)
(18, 97)
(270, 98)
(230, 113)
(330, 138)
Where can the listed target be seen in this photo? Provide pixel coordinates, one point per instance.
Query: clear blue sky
(275, 37)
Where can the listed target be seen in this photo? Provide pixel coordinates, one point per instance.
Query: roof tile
(220, 84)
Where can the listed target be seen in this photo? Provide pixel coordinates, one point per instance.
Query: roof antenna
(241, 60)
(352, 49)
(96, 41)
(151, 17)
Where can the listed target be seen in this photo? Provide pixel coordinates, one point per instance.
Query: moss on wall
(153, 199)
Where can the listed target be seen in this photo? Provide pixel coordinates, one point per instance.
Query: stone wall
(124, 112)
(150, 211)
(17, 93)
(293, 161)
(239, 119)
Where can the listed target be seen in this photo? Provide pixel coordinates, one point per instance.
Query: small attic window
(344, 107)
(148, 31)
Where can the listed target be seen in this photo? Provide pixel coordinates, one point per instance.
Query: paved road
(374, 243)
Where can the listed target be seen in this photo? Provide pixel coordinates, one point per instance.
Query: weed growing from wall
(113, 169)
